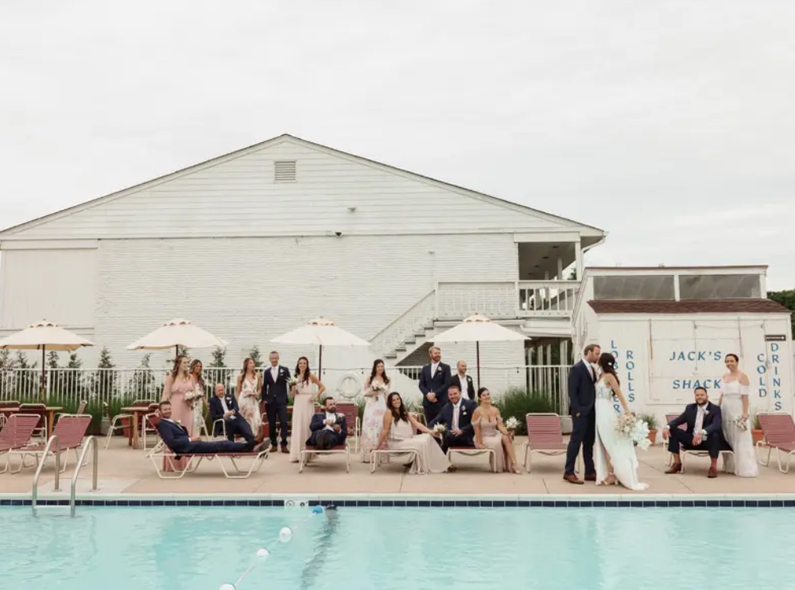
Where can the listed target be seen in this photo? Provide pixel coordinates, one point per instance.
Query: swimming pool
(197, 548)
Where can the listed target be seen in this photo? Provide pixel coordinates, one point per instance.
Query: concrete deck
(126, 471)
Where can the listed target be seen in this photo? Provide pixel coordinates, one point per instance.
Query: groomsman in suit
(328, 428)
(176, 438)
(464, 381)
(704, 432)
(456, 415)
(434, 381)
(275, 380)
(223, 406)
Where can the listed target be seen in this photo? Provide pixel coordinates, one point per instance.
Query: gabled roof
(689, 306)
(590, 230)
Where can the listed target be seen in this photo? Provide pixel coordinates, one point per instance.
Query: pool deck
(129, 472)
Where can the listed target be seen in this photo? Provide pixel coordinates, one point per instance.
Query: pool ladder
(91, 442)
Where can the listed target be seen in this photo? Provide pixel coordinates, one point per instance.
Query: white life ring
(349, 391)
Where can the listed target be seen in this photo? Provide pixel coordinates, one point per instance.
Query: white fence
(69, 386)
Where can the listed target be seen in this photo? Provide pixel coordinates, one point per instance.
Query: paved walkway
(123, 470)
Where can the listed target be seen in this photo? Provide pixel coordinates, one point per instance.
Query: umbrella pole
(43, 390)
(320, 362)
(477, 353)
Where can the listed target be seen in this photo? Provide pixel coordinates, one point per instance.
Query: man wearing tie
(434, 381)
(274, 394)
(456, 415)
(463, 380)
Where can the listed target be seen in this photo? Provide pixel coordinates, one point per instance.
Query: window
(284, 171)
(719, 287)
(629, 288)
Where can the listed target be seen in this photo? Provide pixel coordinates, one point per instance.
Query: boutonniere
(706, 412)
(463, 411)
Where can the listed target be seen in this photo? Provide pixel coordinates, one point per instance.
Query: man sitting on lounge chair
(328, 428)
(176, 438)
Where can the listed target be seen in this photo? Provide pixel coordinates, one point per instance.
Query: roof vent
(284, 171)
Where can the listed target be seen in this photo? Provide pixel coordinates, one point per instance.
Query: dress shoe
(452, 469)
(590, 477)
(571, 478)
(675, 468)
(713, 472)
(284, 449)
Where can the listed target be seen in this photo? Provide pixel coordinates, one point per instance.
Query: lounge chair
(779, 432)
(474, 452)
(351, 412)
(544, 436)
(163, 456)
(378, 456)
(16, 433)
(40, 410)
(70, 430)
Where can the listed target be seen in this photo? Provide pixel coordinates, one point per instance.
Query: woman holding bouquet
(178, 385)
(198, 398)
(734, 415)
(490, 433)
(249, 385)
(398, 433)
(303, 407)
(376, 388)
(614, 452)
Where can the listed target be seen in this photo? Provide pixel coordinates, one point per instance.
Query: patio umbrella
(477, 329)
(44, 336)
(176, 333)
(320, 332)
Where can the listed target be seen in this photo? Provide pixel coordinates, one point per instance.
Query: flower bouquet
(378, 387)
(439, 429)
(628, 426)
(741, 423)
(512, 423)
(292, 382)
(194, 397)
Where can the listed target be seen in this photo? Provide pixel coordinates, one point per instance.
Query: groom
(703, 433)
(582, 396)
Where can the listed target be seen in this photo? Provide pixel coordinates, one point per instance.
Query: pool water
(175, 548)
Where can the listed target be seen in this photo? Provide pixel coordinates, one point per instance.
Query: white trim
(20, 244)
(547, 235)
(565, 223)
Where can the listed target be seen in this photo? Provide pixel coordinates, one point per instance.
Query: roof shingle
(690, 306)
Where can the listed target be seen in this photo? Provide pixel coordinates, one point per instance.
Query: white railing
(495, 300)
(408, 325)
(547, 298)
(67, 387)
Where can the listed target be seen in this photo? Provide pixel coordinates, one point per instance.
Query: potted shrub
(756, 430)
(651, 422)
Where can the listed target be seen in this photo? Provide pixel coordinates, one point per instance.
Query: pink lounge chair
(544, 436)
(70, 430)
(16, 434)
(779, 432)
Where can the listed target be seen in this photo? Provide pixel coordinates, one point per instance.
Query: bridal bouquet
(512, 423)
(628, 426)
(378, 387)
(193, 397)
(741, 424)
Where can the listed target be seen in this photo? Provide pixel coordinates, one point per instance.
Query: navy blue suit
(445, 416)
(274, 394)
(235, 425)
(326, 439)
(437, 383)
(684, 438)
(177, 439)
(582, 397)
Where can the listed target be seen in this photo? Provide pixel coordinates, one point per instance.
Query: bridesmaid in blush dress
(178, 383)
(196, 369)
(398, 434)
(303, 407)
(490, 433)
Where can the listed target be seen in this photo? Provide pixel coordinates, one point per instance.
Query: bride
(734, 412)
(611, 450)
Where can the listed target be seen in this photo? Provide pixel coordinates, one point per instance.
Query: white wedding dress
(621, 450)
(743, 462)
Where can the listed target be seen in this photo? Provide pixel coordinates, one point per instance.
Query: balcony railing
(506, 299)
(547, 298)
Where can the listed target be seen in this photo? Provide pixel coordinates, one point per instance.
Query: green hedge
(517, 402)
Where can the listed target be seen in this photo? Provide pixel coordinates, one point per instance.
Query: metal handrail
(57, 483)
(91, 441)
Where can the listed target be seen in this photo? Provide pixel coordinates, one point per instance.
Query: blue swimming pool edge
(414, 500)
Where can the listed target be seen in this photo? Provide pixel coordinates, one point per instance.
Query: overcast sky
(671, 124)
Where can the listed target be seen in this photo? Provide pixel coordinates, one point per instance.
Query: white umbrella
(320, 332)
(176, 333)
(44, 336)
(477, 329)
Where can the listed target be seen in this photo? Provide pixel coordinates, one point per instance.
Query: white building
(254, 243)
(670, 329)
